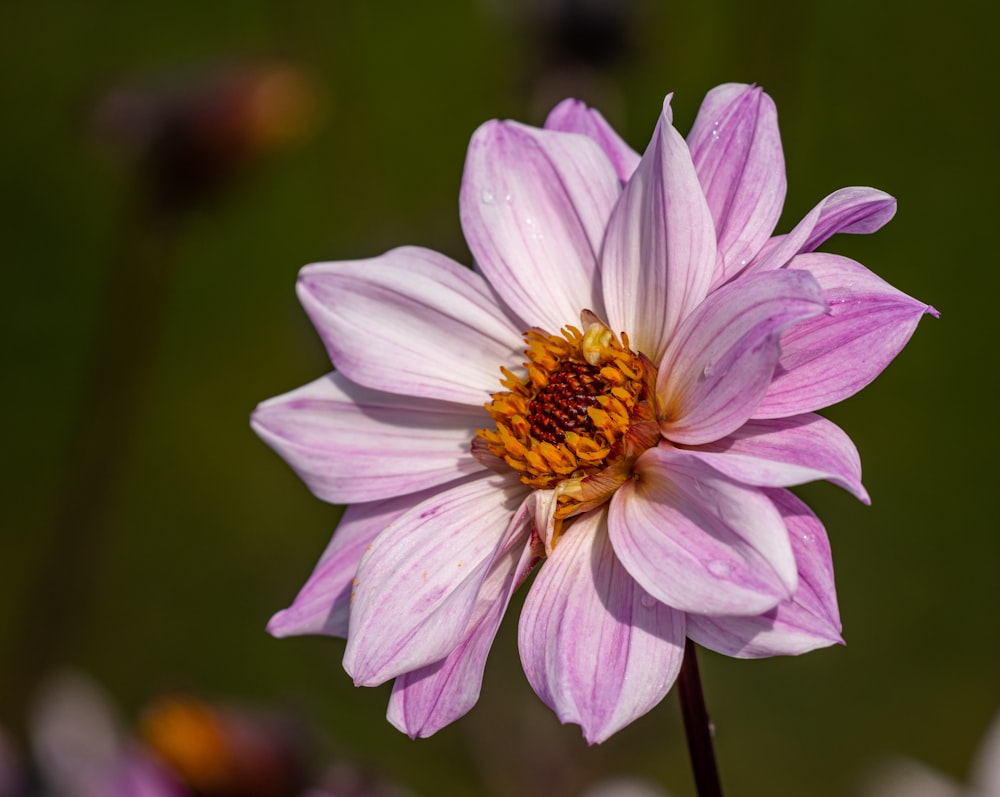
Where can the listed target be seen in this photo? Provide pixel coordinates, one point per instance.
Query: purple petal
(659, 253)
(699, 541)
(719, 366)
(425, 700)
(351, 444)
(787, 451)
(808, 621)
(573, 116)
(827, 359)
(855, 210)
(411, 322)
(534, 205)
(737, 153)
(595, 647)
(416, 586)
(323, 604)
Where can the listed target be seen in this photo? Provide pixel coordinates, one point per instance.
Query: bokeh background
(149, 305)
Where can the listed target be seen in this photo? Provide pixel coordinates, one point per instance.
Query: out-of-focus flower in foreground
(661, 356)
(624, 787)
(83, 750)
(225, 751)
(907, 778)
(186, 748)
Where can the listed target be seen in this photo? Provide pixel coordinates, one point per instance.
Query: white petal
(595, 646)
(659, 254)
(698, 541)
(784, 452)
(412, 322)
(534, 207)
(417, 585)
(323, 604)
(425, 700)
(351, 444)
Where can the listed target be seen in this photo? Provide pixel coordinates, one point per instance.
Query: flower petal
(323, 604)
(573, 116)
(416, 587)
(699, 541)
(719, 366)
(787, 451)
(351, 444)
(412, 322)
(595, 647)
(659, 253)
(985, 774)
(736, 149)
(534, 205)
(827, 359)
(425, 700)
(807, 621)
(857, 210)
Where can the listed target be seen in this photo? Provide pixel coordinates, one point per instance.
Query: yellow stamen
(578, 416)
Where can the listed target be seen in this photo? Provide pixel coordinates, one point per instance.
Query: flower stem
(698, 727)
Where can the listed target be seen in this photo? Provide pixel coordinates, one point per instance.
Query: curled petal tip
(668, 111)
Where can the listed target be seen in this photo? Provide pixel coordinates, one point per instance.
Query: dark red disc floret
(561, 406)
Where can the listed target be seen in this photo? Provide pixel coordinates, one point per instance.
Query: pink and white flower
(663, 356)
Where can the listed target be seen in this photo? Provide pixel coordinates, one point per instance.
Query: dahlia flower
(616, 397)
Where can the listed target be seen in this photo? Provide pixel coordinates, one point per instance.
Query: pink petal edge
(425, 700)
(534, 204)
(416, 586)
(596, 648)
(698, 541)
(736, 149)
(720, 365)
(827, 359)
(783, 452)
(573, 116)
(323, 604)
(805, 622)
(412, 322)
(351, 444)
(659, 252)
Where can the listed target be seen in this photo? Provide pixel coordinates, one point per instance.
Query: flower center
(578, 417)
(563, 404)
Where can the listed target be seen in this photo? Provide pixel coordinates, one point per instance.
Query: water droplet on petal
(647, 600)
(720, 568)
(487, 196)
(738, 256)
(708, 370)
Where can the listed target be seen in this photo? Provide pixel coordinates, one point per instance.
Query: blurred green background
(204, 532)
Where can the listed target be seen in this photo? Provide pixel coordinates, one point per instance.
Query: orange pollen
(577, 417)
